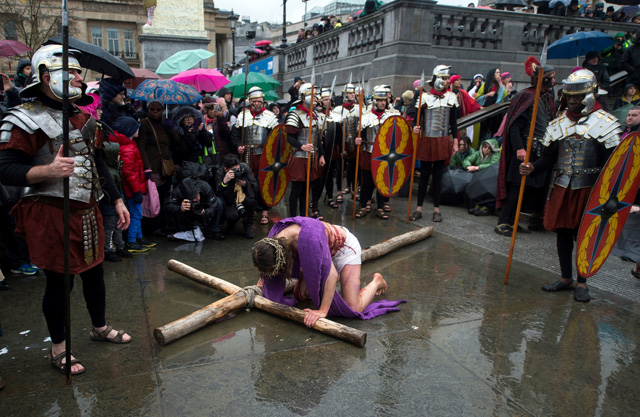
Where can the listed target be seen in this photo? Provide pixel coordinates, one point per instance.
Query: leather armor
(435, 122)
(300, 119)
(372, 124)
(256, 129)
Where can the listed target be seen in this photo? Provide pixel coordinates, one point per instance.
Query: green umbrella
(254, 79)
(270, 95)
(621, 113)
(183, 60)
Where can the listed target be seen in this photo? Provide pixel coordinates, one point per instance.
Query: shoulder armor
(293, 119)
(393, 112)
(599, 125)
(245, 118)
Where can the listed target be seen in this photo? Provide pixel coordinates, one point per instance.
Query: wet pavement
(463, 345)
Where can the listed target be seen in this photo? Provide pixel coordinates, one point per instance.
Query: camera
(196, 206)
(239, 173)
(241, 209)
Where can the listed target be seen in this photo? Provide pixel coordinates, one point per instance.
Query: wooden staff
(355, 180)
(173, 330)
(532, 126)
(207, 315)
(306, 206)
(415, 150)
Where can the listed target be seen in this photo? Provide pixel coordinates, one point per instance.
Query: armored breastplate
(301, 119)
(581, 157)
(436, 116)
(542, 122)
(372, 125)
(579, 163)
(350, 125)
(83, 183)
(257, 129)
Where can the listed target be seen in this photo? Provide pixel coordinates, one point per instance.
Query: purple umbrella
(202, 79)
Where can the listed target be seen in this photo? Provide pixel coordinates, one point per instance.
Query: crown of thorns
(281, 258)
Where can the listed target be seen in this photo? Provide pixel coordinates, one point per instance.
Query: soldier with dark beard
(578, 143)
(514, 147)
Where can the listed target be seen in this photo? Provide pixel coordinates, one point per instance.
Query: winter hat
(478, 76)
(591, 55)
(127, 126)
(505, 75)
(223, 91)
(576, 69)
(109, 88)
(453, 78)
(23, 63)
(416, 84)
(296, 79)
(407, 95)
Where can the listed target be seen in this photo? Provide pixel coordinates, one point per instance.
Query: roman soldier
(31, 151)
(438, 136)
(371, 122)
(514, 149)
(257, 123)
(331, 147)
(578, 143)
(298, 124)
(347, 117)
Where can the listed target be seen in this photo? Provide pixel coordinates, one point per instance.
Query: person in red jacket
(134, 181)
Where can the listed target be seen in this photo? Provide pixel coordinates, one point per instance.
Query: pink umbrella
(202, 79)
(12, 48)
(259, 51)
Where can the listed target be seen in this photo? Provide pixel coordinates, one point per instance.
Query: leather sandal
(315, 214)
(636, 271)
(559, 285)
(368, 208)
(264, 219)
(417, 215)
(339, 198)
(102, 336)
(56, 362)
(382, 215)
(581, 295)
(386, 207)
(437, 217)
(503, 230)
(361, 213)
(332, 203)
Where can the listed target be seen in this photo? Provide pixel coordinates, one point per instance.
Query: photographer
(238, 187)
(191, 204)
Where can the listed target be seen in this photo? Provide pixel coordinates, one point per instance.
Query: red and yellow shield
(274, 171)
(609, 206)
(391, 157)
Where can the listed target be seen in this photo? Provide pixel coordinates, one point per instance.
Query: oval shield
(609, 206)
(274, 171)
(391, 156)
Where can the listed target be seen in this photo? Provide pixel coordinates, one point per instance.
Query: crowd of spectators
(577, 9)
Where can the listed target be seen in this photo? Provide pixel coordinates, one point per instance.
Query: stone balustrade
(407, 37)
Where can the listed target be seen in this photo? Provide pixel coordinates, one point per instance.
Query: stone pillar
(177, 25)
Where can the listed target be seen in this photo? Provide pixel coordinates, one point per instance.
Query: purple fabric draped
(314, 262)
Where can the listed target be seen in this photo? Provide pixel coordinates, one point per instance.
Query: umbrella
(166, 92)
(355, 14)
(553, 3)
(579, 44)
(623, 2)
(270, 95)
(483, 186)
(97, 59)
(262, 43)
(454, 182)
(514, 3)
(621, 112)
(202, 79)
(628, 12)
(141, 74)
(183, 60)
(12, 48)
(258, 51)
(254, 79)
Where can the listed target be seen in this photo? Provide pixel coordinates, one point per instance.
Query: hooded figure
(22, 73)
(630, 95)
(112, 98)
(188, 124)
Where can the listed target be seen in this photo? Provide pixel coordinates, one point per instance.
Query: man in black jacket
(22, 74)
(631, 62)
(191, 204)
(238, 187)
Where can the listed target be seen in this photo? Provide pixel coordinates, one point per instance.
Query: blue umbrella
(166, 92)
(579, 44)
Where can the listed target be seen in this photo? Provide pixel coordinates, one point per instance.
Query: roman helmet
(348, 88)
(440, 74)
(305, 94)
(50, 57)
(380, 93)
(255, 92)
(583, 82)
(531, 67)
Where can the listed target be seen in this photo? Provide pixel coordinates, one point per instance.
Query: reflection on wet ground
(463, 345)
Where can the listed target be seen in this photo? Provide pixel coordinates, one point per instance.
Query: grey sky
(271, 10)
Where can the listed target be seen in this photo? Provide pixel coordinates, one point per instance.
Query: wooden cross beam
(238, 299)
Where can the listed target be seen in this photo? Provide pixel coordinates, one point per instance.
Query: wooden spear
(415, 145)
(532, 126)
(207, 315)
(355, 180)
(309, 154)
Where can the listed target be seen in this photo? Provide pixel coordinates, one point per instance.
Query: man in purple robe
(318, 255)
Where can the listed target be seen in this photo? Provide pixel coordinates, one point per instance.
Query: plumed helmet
(583, 82)
(440, 73)
(349, 88)
(50, 57)
(379, 92)
(255, 92)
(305, 93)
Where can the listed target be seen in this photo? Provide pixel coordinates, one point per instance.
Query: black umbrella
(514, 3)
(483, 186)
(623, 2)
(454, 182)
(97, 59)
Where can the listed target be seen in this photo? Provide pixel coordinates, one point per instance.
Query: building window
(10, 32)
(129, 45)
(113, 41)
(96, 36)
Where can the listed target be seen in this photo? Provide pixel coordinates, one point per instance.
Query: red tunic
(434, 149)
(41, 224)
(565, 207)
(298, 169)
(365, 160)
